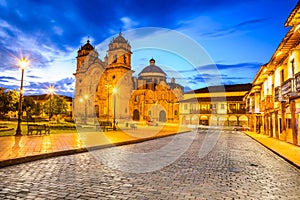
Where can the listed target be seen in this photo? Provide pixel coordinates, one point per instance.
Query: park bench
(104, 126)
(38, 128)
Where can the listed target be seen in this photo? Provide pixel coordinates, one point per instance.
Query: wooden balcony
(203, 111)
(286, 87)
(194, 111)
(236, 111)
(297, 81)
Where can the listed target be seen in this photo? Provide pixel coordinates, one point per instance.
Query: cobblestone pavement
(236, 168)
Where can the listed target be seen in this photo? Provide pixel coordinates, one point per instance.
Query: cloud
(50, 33)
(245, 25)
(128, 23)
(64, 86)
(220, 67)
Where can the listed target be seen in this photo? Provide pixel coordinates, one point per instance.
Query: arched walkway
(195, 120)
(203, 120)
(243, 120)
(136, 115)
(232, 120)
(162, 116)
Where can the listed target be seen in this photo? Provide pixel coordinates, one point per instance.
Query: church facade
(107, 90)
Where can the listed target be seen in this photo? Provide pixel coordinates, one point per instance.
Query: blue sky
(238, 36)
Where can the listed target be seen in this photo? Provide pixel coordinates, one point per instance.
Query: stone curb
(278, 154)
(16, 161)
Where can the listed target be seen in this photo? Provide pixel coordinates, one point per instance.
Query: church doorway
(136, 115)
(162, 116)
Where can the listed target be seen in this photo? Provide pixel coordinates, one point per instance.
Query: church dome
(152, 70)
(87, 46)
(119, 39)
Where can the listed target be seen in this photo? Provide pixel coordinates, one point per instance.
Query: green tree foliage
(55, 105)
(29, 107)
(8, 101)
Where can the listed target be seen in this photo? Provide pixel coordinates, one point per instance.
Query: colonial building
(216, 106)
(106, 89)
(274, 100)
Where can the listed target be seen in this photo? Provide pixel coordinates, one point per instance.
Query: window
(124, 57)
(175, 112)
(115, 59)
(242, 106)
(185, 106)
(222, 106)
(232, 106)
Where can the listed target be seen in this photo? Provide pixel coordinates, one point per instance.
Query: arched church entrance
(136, 115)
(162, 116)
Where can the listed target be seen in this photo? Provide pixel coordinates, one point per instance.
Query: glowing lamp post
(108, 86)
(115, 94)
(23, 63)
(51, 91)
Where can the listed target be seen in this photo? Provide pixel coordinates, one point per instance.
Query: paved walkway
(286, 150)
(14, 150)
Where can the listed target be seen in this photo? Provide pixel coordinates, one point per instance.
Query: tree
(55, 105)
(8, 101)
(29, 107)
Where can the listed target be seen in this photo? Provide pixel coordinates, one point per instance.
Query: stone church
(106, 89)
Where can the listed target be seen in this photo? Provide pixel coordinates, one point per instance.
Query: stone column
(283, 134)
(293, 113)
(254, 121)
(276, 125)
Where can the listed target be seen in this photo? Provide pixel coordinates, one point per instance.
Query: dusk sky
(238, 37)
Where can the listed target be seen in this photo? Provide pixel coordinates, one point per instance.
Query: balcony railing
(297, 81)
(237, 111)
(194, 111)
(203, 111)
(286, 87)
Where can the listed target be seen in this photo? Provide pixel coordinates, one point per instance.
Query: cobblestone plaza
(237, 167)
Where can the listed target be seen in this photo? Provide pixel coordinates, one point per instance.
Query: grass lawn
(59, 128)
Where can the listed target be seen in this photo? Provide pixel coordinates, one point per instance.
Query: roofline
(290, 17)
(194, 91)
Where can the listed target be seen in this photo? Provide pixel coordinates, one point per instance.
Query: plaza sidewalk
(288, 151)
(14, 150)
(19, 149)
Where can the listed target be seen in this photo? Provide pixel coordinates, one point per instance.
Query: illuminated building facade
(107, 90)
(274, 100)
(216, 106)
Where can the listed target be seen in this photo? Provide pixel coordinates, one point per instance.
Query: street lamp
(51, 91)
(108, 86)
(22, 63)
(115, 94)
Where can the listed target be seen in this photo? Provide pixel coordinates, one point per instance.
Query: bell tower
(119, 53)
(116, 81)
(82, 53)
